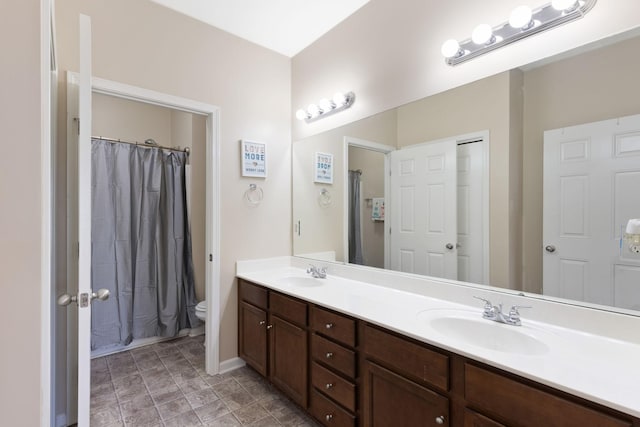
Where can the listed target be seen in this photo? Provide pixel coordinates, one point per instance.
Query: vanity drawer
(336, 326)
(473, 419)
(253, 294)
(407, 358)
(334, 355)
(339, 389)
(521, 405)
(328, 413)
(288, 308)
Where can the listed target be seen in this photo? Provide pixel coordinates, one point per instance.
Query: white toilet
(201, 310)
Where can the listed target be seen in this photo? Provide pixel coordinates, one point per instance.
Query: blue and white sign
(324, 168)
(254, 159)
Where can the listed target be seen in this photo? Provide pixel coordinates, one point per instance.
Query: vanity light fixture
(325, 107)
(523, 22)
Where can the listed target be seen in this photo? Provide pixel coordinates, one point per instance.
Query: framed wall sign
(254, 158)
(323, 168)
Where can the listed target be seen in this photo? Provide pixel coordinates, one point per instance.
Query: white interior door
(591, 181)
(84, 225)
(423, 203)
(471, 212)
(79, 296)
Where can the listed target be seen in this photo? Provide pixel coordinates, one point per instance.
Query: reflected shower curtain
(141, 245)
(355, 238)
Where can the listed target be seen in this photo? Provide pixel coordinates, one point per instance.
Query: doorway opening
(192, 125)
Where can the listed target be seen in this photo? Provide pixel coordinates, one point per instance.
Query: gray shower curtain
(140, 242)
(355, 238)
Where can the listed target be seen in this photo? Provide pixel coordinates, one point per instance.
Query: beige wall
(143, 44)
(555, 96)
(390, 55)
(20, 198)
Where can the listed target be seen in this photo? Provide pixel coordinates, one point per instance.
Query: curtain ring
(254, 195)
(324, 198)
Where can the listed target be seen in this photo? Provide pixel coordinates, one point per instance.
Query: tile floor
(166, 385)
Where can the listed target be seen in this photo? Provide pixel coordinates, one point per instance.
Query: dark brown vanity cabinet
(273, 339)
(347, 372)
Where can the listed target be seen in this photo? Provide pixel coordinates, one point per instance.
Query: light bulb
(313, 110)
(521, 17)
(326, 105)
(482, 34)
(563, 4)
(301, 114)
(339, 99)
(450, 48)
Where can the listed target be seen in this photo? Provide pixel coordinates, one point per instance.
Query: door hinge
(210, 257)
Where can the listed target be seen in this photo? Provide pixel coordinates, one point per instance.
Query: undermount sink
(469, 327)
(301, 281)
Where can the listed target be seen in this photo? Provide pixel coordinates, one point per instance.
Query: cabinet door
(288, 359)
(252, 338)
(392, 400)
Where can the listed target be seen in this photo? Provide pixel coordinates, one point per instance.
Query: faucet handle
(514, 314)
(488, 307)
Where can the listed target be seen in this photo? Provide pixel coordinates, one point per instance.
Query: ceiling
(285, 26)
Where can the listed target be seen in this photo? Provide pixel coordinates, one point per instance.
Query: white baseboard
(231, 365)
(194, 332)
(142, 342)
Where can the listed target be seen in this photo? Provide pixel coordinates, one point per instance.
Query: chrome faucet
(317, 272)
(494, 312)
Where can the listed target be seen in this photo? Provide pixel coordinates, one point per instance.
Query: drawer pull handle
(440, 420)
(262, 322)
(328, 417)
(269, 326)
(328, 386)
(329, 355)
(329, 325)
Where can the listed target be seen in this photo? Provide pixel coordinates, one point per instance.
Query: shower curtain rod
(154, 144)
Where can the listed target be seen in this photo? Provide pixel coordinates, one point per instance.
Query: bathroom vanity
(353, 353)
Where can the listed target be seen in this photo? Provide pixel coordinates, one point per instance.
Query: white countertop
(593, 354)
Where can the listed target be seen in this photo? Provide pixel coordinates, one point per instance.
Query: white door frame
(47, 83)
(349, 141)
(212, 240)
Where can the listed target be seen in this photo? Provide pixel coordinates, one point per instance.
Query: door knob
(102, 294)
(449, 246)
(550, 248)
(66, 299)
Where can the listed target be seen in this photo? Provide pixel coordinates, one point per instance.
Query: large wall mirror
(523, 180)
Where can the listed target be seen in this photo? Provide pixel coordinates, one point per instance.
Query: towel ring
(324, 198)
(253, 195)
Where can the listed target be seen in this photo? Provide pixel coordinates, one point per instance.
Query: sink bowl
(301, 281)
(470, 328)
